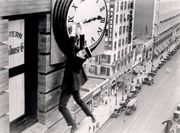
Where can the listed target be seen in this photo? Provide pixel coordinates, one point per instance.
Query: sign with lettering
(16, 43)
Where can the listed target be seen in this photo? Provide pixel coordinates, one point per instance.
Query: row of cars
(128, 103)
(149, 80)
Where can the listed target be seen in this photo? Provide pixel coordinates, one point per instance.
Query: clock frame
(61, 25)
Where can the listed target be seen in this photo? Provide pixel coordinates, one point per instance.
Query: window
(124, 17)
(119, 54)
(105, 71)
(122, 42)
(125, 5)
(119, 43)
(127, 28)
(128, 17)
(117, 8)
(108, 71)
(114, 57)
(116, 19)
(120, 30)
(129, 5)
(124, 29)
(126, 51)
(129, 59)
(125, 61)
(126, 40)
(105, 58)
(122, 5)
(121, 18)
(136, 55)
(129, 49)
(115, 45)
(122, 53)
(96, 58)
(121, 63)
(93, 69)
(115, 34)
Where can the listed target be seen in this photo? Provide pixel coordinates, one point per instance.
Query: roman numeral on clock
(102, 8)
(74, 6)
(102, 20)
(92, 40)
(99, 31)
(97, 1)
(70, 19)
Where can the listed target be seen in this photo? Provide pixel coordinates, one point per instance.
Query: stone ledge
(4, 77)
(50, 81)
(4, 124)
(4, 103)
(44, 64)
(45, 24)
(36, 128)
(50, 118)
(49, 100)
(44, 42)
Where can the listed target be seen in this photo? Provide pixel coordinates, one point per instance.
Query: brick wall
(4, 95)
(49, 77)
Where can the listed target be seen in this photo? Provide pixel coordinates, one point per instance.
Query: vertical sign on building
(16, 59)
(110, 26)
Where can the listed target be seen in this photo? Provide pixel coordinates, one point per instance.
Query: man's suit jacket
(74, 75)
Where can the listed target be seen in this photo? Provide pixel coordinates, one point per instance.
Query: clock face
(93, 14)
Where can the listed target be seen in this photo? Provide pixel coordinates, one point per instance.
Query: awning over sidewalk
(160, 48)
(165, 45)
(137, 69)
(156, 52)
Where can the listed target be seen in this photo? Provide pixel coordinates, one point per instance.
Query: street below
(156, 103)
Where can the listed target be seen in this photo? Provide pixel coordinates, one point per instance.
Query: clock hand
(92, 19)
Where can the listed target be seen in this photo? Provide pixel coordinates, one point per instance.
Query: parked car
(148, 81)
(131, 106)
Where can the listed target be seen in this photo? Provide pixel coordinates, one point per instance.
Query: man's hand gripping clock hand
(81, 54)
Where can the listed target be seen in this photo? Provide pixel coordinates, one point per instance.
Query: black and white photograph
(89, 66)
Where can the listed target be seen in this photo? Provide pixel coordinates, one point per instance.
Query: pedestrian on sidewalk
(74, 77)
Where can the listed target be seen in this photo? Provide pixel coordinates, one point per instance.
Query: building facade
(30, 86)
(159, 21)
(117, 56)
(166, 23)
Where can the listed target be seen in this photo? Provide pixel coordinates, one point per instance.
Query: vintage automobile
(131, 106)
(118, 110)
(148, 81)
(153, 73)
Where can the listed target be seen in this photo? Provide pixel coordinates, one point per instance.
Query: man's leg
(84, 107)
(64, 98)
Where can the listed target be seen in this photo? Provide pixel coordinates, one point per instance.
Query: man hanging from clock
(74, 77)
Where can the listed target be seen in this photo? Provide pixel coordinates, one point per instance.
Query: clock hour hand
(92, 19)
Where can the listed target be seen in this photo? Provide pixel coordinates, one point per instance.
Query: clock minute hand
(92, 19)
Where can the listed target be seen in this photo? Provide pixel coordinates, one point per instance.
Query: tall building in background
(144, 16)
(154, 17)
(116, 58)
(158, 20)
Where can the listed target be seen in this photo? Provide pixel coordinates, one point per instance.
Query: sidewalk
(102, 114)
